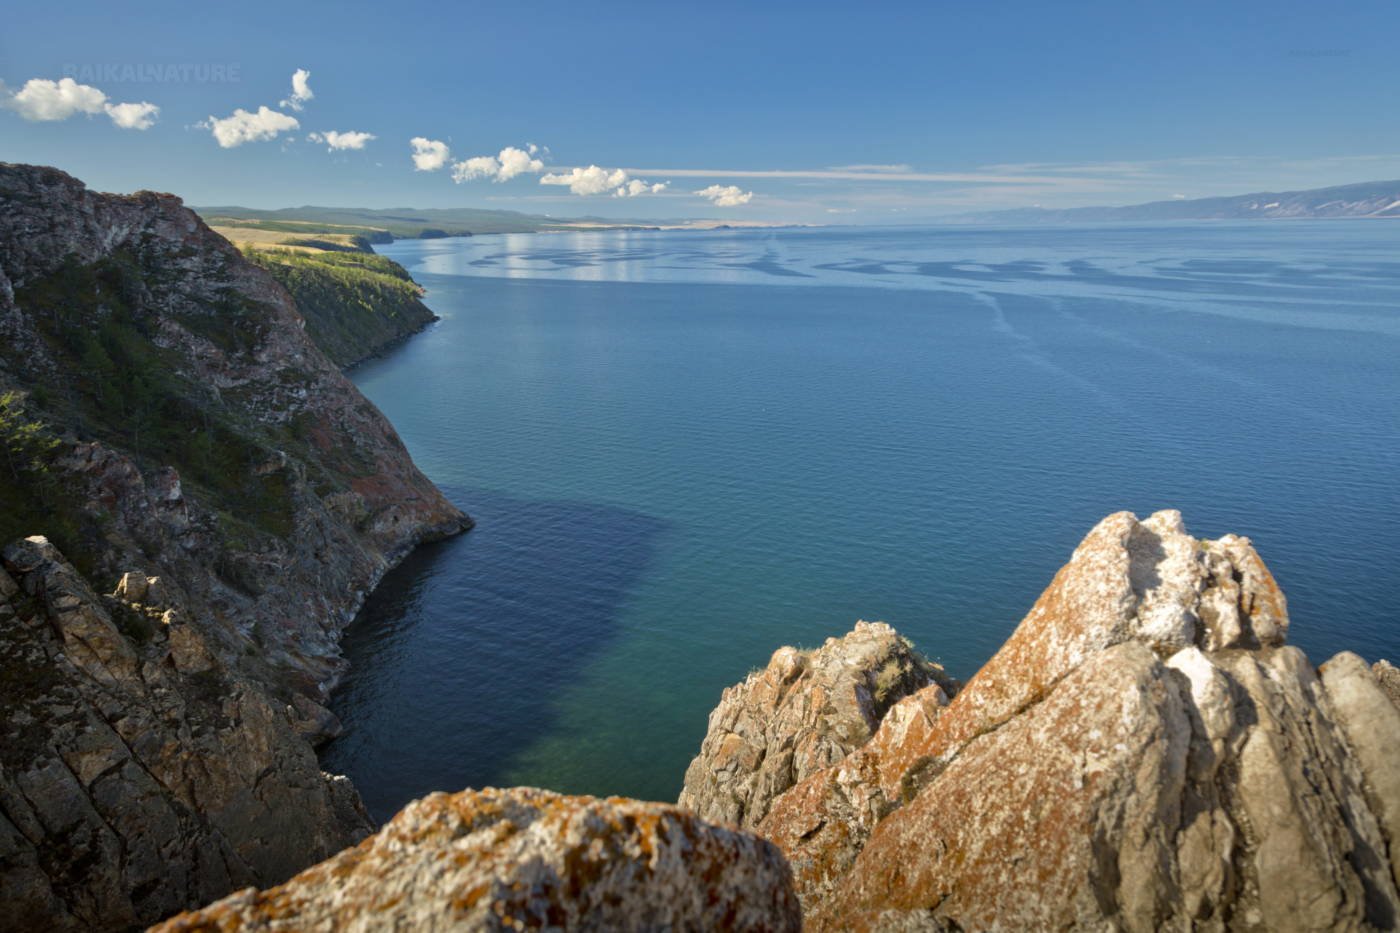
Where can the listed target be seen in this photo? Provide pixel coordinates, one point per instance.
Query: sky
(877, 112)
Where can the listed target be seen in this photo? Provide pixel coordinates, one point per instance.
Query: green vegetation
(103, 325)
(355, 304)
(31, 496)
(888, 679)
(26, 444)
(116, 384)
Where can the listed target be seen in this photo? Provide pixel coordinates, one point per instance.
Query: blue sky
(873, 112)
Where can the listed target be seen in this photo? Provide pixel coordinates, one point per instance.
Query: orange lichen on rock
(528, 859)
(1143, 752)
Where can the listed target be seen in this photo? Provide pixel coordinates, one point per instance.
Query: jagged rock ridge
(803, 712)
(1145, 752)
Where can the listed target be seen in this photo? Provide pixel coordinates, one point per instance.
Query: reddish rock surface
(1144, 752)
(527, 859)
(803, 712)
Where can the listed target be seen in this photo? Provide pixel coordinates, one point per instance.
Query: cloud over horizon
(725, 195)
(351, 139)
(637, 187)
(41, 100)
(429, 155)
(243, 127)
(510, 163)
(595, 179)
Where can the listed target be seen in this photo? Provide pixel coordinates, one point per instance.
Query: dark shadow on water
(458, 658)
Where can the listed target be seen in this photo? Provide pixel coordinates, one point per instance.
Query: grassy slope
(355, 304)
(400, 223)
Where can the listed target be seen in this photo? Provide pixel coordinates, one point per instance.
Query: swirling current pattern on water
(684, 449)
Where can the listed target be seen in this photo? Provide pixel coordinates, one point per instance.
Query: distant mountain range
(1365, 199)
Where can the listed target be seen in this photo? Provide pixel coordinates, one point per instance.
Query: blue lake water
(685, 449)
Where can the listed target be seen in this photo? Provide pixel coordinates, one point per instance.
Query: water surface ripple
(686, 449)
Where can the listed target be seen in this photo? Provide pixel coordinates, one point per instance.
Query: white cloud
(590, 180)
(990, 175)
(43, 100)
(475, 167)
(244, 127)
(637, 187)
(503, 167)
(301, 90)
(517, 162)
(726, 195)
(351, 139)
(140, 116)
(881, 168)
(429, 155)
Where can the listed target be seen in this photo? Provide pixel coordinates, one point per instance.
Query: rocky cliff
(164, 417)
(1145, 752)
(193, 425)
(139, 774)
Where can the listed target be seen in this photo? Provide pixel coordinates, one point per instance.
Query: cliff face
(197, 427)
(164, 416)
(138, 773)
(1144, 752)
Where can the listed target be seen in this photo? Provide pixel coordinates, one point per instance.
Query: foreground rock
(1388, 675)
(803, 712)
(138, 773)
(1145, 752)
(528, 859)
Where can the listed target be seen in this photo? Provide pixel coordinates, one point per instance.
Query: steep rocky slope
(139, 774)
(164, 416)
(528, 859)
(193, 425)
(1145, 752)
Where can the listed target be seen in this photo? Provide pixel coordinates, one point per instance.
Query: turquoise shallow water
(686, 449)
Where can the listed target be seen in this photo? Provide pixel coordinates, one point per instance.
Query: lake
(685, 449)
